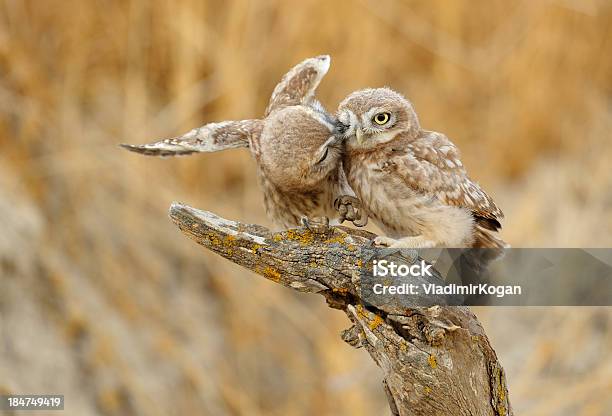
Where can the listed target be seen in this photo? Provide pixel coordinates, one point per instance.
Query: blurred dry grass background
(103, 300)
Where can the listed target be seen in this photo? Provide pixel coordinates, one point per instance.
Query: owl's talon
(362, 221)
(350, 212)
(382, 241)
(409, 243)
(349, 208)
(342, 211)
(318, 225)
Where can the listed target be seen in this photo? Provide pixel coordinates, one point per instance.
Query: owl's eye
(381, 118)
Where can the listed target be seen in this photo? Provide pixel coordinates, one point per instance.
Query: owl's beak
(359, 136)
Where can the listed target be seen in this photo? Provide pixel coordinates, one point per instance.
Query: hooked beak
(343, 130)
(359, 136)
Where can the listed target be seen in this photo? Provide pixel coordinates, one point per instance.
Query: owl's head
(298, 148)
(374, 116)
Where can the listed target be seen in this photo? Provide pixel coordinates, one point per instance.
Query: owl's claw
(382, 241)
(414, 242)
(349, 209)
(318, 225)
(395, 246)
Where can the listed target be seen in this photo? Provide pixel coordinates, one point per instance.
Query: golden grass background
(102, 299)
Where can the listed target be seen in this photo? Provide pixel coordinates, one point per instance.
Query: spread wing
(211, 137)
(431, 164)
(299, 84)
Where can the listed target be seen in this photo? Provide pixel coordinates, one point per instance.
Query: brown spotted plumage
(412, 181)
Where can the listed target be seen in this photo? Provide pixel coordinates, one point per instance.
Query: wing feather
(299, 84)
(211, 137)
(431, 164)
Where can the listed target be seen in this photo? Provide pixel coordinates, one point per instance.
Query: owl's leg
(350, 209)
(318, 225)
(418, 241)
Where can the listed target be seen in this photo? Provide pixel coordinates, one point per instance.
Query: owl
(411, 182)
(296, 147)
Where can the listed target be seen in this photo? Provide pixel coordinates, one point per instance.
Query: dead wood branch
(436, 360)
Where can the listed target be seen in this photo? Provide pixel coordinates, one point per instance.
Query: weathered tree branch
(436, 360)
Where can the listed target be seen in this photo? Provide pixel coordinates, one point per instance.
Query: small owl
(410, 181)
(298, 155)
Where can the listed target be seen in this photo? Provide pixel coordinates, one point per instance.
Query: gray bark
(436, 360)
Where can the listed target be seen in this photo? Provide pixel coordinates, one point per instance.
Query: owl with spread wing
(297, 152)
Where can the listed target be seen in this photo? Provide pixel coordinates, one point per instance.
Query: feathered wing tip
(299, 84)
(211, 137)
(485, 249)
(484, 239)
(162, 149)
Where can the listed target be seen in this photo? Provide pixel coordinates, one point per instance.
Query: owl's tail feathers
(485, 249)
(484, 239)
(212, 137)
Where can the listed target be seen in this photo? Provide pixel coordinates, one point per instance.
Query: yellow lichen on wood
(272, 274)
(375, 323)
(501, 391)
(303, 237)
(433, 362)
(229, 242)
(360, 312)
(372, 324)
(214, 239)
(339, 239)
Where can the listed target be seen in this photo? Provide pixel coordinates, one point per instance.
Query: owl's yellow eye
(381, 118)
